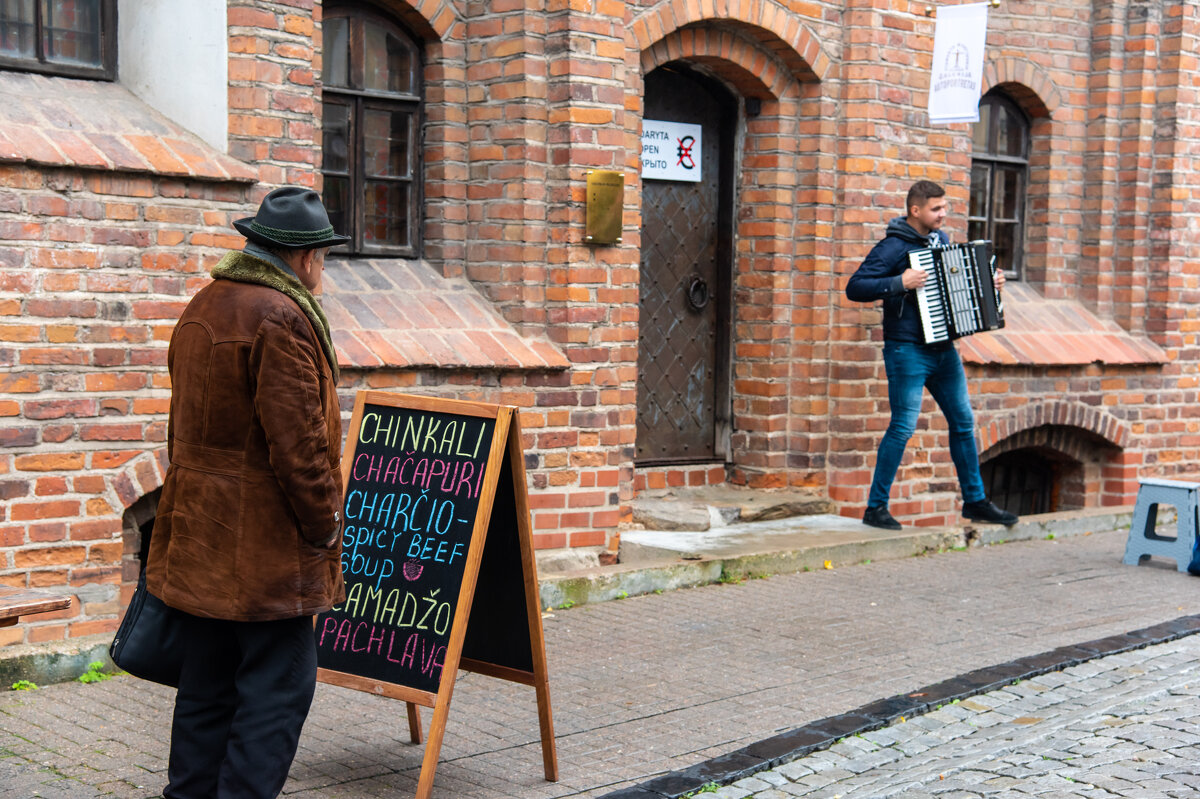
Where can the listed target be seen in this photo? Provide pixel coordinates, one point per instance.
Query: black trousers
(244, 694)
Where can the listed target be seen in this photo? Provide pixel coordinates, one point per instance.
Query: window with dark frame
(999, 176)
(72, 38)
(372, 130)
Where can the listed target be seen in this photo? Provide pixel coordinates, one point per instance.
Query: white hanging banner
(956, 80)
(670, 150)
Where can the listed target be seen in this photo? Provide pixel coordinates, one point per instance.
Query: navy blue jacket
(878, 278)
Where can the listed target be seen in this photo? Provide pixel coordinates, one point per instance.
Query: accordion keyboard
(933, 311)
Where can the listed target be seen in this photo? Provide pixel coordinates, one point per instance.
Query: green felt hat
(291, 217)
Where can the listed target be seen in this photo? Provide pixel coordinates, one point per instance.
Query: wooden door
(683, 406)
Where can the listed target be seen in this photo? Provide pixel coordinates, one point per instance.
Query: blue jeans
(911, 368)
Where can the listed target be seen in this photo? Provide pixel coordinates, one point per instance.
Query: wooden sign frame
(506, 455)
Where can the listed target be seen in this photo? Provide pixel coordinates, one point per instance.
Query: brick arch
(771, 23)
(140, 476)
(432, 20)
(1055, 412)
(750, 70)
(1067, 442)
(1026, 83)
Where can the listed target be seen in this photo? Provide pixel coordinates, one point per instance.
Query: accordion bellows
(959, 297)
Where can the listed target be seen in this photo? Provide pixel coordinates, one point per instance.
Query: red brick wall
(521, 99)
(274, 105)
(590, 291)
(96, 267)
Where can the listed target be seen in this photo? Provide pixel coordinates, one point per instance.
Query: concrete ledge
(842, 554)
(1054, 525)
(664, 573)
(618, 582)
(57, 661)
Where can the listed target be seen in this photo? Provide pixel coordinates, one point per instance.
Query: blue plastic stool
(1144, 541)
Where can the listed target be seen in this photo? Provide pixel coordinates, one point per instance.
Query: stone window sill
(1041, 332)
(64, 122)
(401, 314)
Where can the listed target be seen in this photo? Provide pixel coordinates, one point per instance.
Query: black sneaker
(879, 517)
(987, 512)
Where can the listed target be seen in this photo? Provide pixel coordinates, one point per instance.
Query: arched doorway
(685, 323)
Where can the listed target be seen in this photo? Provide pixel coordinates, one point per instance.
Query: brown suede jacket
(254, 486)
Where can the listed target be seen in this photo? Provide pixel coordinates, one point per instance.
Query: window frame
(108, 50)
(995, 162)
(359, 101)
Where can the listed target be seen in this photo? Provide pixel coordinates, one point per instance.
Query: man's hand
(998, 279)
(337, 530)
(913, 278)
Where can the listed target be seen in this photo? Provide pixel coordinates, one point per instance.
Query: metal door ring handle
(697, 293)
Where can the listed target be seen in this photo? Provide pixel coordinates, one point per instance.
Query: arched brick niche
(1048, 468)
(138, 486)
(1085, 449)
(137, 524)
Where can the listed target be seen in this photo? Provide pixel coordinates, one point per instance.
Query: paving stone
(794, 770)
(753, 784)
(772, 777)
(728, 792)
(871, 760)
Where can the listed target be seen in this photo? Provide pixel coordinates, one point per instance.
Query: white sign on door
(670, 151)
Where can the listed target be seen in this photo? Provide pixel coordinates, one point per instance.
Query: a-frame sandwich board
(438, 559)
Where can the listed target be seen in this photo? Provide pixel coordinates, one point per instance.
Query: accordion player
(958, 297)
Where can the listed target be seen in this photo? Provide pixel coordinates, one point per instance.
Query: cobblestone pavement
(1126, 725)
(644, 685)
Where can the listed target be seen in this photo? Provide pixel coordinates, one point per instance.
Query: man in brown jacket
(247, 538)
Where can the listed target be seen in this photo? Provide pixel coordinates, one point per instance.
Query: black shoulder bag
(149, 642)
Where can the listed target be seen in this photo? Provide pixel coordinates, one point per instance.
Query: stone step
(706, 507)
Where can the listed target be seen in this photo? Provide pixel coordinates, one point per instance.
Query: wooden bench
(18, 602)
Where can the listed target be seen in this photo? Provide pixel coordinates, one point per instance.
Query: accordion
(958, 297)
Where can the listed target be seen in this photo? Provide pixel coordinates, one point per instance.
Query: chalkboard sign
(437, 556)
(411, 500)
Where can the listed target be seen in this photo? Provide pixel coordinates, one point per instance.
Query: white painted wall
(175, 55)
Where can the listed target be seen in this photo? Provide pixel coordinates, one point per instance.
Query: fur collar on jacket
(244, 268)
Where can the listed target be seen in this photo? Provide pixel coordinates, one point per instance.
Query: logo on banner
(671, 150)
(956, 74)
(957, 66)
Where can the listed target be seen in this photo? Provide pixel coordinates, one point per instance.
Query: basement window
(1020, 482)
(1034, 480)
